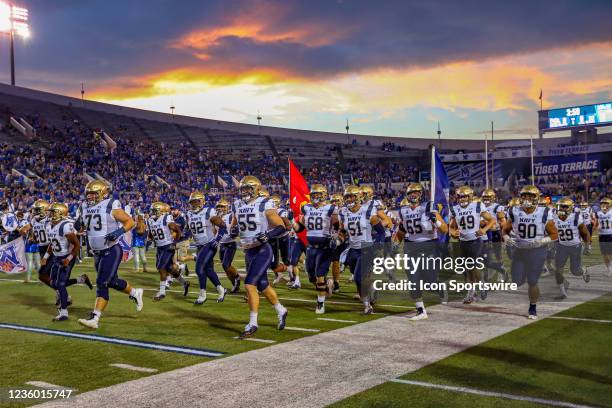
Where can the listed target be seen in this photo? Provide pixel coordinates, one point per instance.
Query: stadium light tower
(14, 21)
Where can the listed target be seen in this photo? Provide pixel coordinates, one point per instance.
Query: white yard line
(327, 319)
(357, 357)
(581, 319)
(134, 368)
(302, 329)
(466, 390)
(257, 340)
(46, 385)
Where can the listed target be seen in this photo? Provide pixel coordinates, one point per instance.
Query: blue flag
(440, 184)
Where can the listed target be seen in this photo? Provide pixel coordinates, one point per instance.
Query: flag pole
(486, 162)
(432, 176)
(531, 154)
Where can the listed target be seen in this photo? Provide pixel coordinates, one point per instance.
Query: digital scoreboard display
(586, 115)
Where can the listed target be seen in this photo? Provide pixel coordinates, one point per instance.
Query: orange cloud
(261, 23)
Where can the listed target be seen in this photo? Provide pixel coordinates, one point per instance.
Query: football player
(361, 225)
(367, 197)
(227, 246)
(603, 224)
(256, 221)
(280, 245)
(317, 219)
(105, 222)
(64, 245)
(534, 228)
(164, 232)
(494, 241)
(338, 202)
(465, 225)
(207, 229)
(37, 229)
(571, 228)
(418, 229)
(587, 215)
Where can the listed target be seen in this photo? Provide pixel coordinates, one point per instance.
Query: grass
(84, 365)
(551, 359)
(508, 364)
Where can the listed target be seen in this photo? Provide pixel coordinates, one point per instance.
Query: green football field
(84, 365)
(506, 364)
(560, 360)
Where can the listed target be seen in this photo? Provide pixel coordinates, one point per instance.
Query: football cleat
(200, 300)
(186, 288)
(282, 320)
(296, 285)
(92, 322)
(533, 315)
(158, 296)
(60, 317)
(468, 299)
(235, 285)
(561, 296)
(351, 278)
(443, 293)
(137, 298)
(336, 287)
(248, 331)
(356, 296)
(320, 309)
(221, 297)
(483, 294)
(368, 310)
(586, 276)
(419, 316)
(85, 279)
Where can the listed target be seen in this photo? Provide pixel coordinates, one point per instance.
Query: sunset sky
(391, 67)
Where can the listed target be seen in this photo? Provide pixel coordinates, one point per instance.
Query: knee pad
(118, 284)
(102, 291)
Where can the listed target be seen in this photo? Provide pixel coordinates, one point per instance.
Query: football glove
(114, 235)
(262, 237)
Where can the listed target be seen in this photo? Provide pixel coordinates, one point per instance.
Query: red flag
(299, 194)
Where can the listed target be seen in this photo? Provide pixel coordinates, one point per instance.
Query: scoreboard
(576, 116)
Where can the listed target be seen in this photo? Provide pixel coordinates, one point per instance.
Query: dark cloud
(100, 40)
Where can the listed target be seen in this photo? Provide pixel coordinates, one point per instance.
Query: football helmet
(605, 204)
(414, 193)
(488, 196)
(222, 207)
(57, 212)
(96, 191)
(196, 201)
(543, 201)
(530, 197)
(39, 208)
(263, 192)
(514, 202)
(565, 206)
(351, 195)
(465, 195)
(404, 202)
(318, 193)
(249, 188)
(276, 200)
(367, 193)
(337, 199)
(158, 208)
(584, 205)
